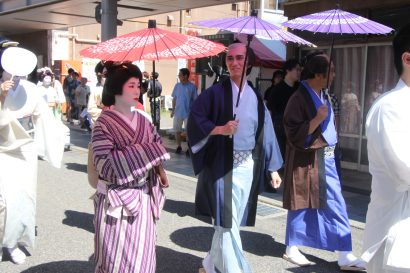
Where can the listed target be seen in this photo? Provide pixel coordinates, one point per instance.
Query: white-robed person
(27, 130)
(387, 234)
(52, 91)
(95, 105)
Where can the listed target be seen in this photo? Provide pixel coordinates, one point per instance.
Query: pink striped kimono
(129, 198)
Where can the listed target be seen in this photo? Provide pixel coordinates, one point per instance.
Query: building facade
(66, 44)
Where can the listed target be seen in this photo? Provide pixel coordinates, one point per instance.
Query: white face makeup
(47, 81)
(130, 93)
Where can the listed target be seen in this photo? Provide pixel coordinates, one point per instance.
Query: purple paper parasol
(265, 50)
(337, 21)
(253, 25)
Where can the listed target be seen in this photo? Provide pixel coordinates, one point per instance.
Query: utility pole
(181, 20)
(108, 19)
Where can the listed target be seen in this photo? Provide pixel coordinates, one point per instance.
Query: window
(363, 72)
(381, 77)
(270, 4)
(170, 19)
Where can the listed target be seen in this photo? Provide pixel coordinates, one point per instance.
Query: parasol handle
(243, 71)
(330, 63)
(242, 76)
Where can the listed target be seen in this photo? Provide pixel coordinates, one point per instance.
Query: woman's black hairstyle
(117, 76)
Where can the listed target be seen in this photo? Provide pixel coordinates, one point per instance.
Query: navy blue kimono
(214, 160)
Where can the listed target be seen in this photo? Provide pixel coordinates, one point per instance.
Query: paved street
(65, 231)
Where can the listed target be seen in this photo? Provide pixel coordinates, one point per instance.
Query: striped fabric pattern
(126, 244)
(129, 196)
(123, 156)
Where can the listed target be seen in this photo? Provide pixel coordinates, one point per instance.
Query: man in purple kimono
(233, 157)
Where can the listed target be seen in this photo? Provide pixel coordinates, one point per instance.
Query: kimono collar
(327, 126)
(235, 88)
(235, 92)
(131, 123)
(401, 85)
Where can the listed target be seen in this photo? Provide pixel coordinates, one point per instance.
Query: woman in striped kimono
(128, 155)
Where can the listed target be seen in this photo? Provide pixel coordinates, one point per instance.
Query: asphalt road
(65, 232)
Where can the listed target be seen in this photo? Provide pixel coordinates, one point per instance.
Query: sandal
(357, 265)
(299, 260)
(16, 255)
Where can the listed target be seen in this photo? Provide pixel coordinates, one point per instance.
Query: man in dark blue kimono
(234, 157)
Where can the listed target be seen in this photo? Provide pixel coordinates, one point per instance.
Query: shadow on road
(318, 267)
(200, 239)
(62, 267)
(181, 208)
(78, 219)
(194, 238)
(261, 244)
(76, 167)
(171, 261)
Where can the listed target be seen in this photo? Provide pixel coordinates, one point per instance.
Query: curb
(74, 147)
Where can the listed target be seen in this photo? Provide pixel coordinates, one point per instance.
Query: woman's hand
(162, 175)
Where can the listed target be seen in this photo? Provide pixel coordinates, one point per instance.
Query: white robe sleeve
(60, 91)
(49, 135)
(391, 136)
(12, 134)
(273, 156)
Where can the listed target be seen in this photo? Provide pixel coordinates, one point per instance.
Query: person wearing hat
(23, 118)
